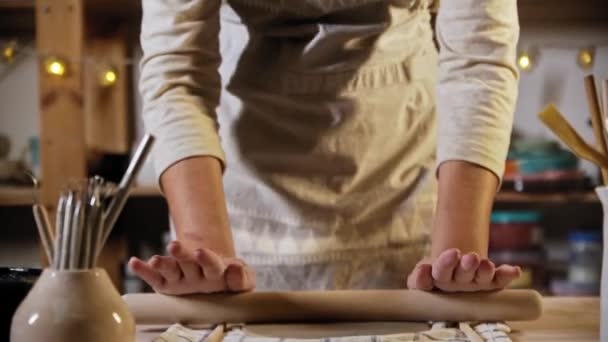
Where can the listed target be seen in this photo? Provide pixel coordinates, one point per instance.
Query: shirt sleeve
(180, 83)
(477, 85)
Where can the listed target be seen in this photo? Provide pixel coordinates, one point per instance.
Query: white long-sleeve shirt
(330, 122)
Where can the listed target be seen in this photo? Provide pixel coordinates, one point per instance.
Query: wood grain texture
(563, 12)
(60, 33)
(107, 117)
(28, 4)
(335, 306)
(563, 319)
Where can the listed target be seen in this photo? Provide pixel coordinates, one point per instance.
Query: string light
(9, 51)
(109, 77)
(55, 66)
(524, 61)
(585, 58)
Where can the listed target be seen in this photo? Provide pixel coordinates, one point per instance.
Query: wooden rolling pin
(335, 306)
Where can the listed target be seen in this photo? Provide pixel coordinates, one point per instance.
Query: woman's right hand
(198, 271)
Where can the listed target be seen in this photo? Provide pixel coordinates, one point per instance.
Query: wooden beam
(107, 114)
(27, 4)
(563, 12)
(60, 33)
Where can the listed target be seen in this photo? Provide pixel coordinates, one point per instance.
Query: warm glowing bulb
(55, 67)
(8, 53)
(524, 61)
(109, 78)
(585, 58)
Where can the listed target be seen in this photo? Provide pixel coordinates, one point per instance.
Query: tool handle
(44, 230)
(598, 123)
(120, 199)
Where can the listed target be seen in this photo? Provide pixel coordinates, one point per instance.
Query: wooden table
(564, 319)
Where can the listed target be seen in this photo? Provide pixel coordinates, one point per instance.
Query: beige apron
(327, 119)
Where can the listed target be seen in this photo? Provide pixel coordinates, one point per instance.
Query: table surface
(563, 319)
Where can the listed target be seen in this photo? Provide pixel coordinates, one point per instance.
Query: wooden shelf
(16, 4)
(16, 196)
(585, 12)
(19, 196)
(129, 7)
(549, 198)
(530, 11)
(146, 191)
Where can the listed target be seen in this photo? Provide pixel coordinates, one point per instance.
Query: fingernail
(457, 252)
(467, 263)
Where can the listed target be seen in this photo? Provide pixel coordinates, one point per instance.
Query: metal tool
(61, 208)
(120, 199)
(43, 223)
(83, 223)
(64, 255)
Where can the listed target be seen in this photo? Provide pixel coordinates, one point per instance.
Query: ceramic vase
(602, 192)
(70, 306)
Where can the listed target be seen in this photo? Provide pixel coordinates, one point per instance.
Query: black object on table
(15, 283)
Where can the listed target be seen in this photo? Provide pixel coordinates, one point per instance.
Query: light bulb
(9, 51)
(524, 61)
(109, 77)
(585, 58)
(55, 66)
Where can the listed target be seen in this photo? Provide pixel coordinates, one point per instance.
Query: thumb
(421, 278)
(239, 278)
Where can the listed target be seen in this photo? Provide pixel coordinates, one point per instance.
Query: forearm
(466, 195)
(195, 194)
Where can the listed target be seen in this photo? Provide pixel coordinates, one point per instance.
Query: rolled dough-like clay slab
(335, 306)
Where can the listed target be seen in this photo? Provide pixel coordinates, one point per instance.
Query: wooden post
(107, 119)
(60, 33)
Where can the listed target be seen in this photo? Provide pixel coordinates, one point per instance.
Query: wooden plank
(126, 7)
(548, 198)
(23, 196)
(16, 196)
(563, 319)
(146, 191)
(543, 12)
(107, 119)
(26, 4)
(60, 33)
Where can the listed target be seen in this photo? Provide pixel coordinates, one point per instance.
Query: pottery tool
(61, 207)
(87, 211)
(120, 199)
(555, 121)
(66, 235)
(605, 103)
(43, 223)
(335, 306)
(44, 230)
(597, 122)
(97, 230)
(77, 232)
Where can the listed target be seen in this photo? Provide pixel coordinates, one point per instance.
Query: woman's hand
(452, 272)
(198, 271)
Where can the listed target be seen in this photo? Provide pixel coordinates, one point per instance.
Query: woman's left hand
(453, 272)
